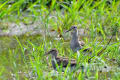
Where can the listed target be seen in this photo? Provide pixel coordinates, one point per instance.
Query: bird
(57, 60)
(75, 44)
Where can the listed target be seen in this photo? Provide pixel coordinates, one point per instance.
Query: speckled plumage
(60, 60)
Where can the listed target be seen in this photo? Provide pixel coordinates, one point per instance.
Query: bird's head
(53, 52)
(73, 30)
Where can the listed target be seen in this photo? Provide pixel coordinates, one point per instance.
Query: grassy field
(22, 56)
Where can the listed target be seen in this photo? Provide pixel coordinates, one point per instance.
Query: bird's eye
(74, 27)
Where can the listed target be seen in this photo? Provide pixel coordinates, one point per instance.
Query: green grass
(21, 57)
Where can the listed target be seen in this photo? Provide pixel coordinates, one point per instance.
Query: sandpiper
(75, 44)
(61, 61)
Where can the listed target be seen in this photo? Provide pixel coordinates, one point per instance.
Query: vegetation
(22, 56)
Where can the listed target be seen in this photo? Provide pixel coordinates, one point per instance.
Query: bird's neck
(54, 57)
(54, 62)
(74, 37)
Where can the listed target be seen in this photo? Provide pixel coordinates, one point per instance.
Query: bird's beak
(68, 30)
(46, 53)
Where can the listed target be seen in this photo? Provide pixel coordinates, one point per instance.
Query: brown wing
(59, 60)
(82, 43)
(72, 61)
(65, 61)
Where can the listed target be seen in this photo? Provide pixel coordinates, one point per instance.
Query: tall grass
(26, 60)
